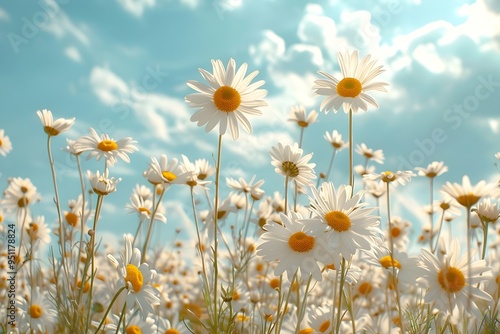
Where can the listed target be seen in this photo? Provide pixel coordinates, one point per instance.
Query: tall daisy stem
(391, 247)
(286, 195)
(216, 241)
(330, 166)
(151, 223)
(431, 213)
(351, 174)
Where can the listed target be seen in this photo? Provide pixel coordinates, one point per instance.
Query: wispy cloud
(72, 53)
(4, 16)
(61, 25)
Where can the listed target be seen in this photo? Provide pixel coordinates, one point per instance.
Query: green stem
(431, 214)
(109, 309)
(330, 166)
(351, 173)
(151, 224)
(216, 242)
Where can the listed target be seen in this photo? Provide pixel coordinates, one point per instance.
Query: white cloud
(270, 48)
(161, 115)
(60, 24)
(136, 7)
(429, 57)
(482, 23)
(72, 53)
(4, 16)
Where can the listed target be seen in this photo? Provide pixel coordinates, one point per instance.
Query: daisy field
(235, 166)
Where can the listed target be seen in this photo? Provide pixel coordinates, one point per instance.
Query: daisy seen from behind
(51, 127)
(105, 147)
(350, 91)
(466, 194)
(227, 99)
(349, 224)
(296, 245)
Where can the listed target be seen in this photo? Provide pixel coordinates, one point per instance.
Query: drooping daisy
(166, 172)
(51, 127)
(37, 314)
(449, 283)
(434, 169)
(299, 116)
(370, 154)
(290, 163)
(144, 207)
(466, 194)
(348, 222)
(101, 184)
(251, 188)
(5, 144)
(350, 91)
(227, 99)
(136, 277)
(296, 245)
(335, 139)
(398, 177)
(105, 147)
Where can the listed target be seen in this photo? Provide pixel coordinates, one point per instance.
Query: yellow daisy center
(141, 210)
(290, 169)
(0, 143)
(172, 331)
(330, 266)
(324, 326)
(339, 221)
(24, 189)
(301, 242)
(365, 288)
(227, 99)
(388, 176)
(431, 174)
(50, 131)
(71, 218)
(349, 87)
(386, 262)
(133, 330)
(306, 331)
(395, 232)
(274, 283)
(107, 145)
(303, 124)
(35, 311)
(444, 206)
(452, 279)
(23, 202)
(134, 277)
(169, 175)
(467, 200)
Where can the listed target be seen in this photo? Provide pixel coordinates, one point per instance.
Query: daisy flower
(450, 285)
(227, 98)
(348, 223)
(51, 127)
(350, 91)
(204, 168)
(296, 245)
(166, 172)
(136, 277)
(37, 314)
(466, 194)
(106, 147)
(497, 155)
(300, 117)
(290, 163)
(335, 139)
(19, 194)
(5, 144)
(38, 230)
(251, 188)
(487, 212)
(370, 154)
(389, 177)
(434, 169)
(320, 319)
(194, 172)
(143, 207)
(101, 184)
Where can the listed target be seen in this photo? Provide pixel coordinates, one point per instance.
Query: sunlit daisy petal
(228, 98)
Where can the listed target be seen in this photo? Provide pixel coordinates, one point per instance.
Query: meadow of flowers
(313, 257)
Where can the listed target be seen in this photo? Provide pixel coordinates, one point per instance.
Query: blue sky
(122, 66)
